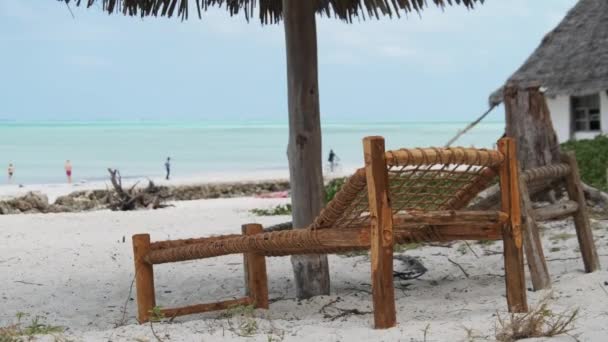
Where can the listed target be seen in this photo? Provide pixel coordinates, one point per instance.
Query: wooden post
(532, 243)
(581, 218)
(245, 264)
(528, 120)
(144, 277)
(255, 269)
(311, 272)
(512, 237)
(381, 236)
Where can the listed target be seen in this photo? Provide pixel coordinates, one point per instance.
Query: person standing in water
(333, 158)
(11, 172)
(168, 167)
(68, 170)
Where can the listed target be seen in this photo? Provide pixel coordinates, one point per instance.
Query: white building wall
(559, 107)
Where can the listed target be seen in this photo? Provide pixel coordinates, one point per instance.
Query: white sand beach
(76, 269)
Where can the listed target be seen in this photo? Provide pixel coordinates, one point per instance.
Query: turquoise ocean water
(39, 149)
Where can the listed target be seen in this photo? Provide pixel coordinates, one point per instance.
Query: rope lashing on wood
(546, 173)
(288, 239)
(437, 156)
(409, 227)
(184, 242)
(306, 241)
(340, 205)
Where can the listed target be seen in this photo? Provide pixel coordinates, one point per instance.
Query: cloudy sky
(439, 66)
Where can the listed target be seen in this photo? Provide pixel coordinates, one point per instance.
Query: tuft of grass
(592, 158)
(555, 249)
(156, 314)
(18, 331)
(245, 324)
(540, 322)
(281, 209)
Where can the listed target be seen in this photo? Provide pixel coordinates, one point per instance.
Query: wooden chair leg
(581, 217)
(245, 265)
(255, 271)
(512, 235)
(144, 277)
(383, 291)
(532, 243)
(514, 274)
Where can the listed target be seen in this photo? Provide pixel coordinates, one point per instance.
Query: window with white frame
(586, 113)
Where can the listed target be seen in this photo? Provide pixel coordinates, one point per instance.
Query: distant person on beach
(11, 172)
(68, 170)
(333, 159)
(168, 167)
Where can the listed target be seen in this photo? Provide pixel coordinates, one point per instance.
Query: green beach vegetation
(592, 158)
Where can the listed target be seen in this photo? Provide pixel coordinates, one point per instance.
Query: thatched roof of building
(270, 11)
(572, 59)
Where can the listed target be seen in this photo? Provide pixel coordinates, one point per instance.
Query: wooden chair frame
(567, 171)
(384, 230)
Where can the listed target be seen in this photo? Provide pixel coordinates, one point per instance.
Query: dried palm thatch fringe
(270, 11)
(572, 59)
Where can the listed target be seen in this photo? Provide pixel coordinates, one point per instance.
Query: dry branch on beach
(150, 197)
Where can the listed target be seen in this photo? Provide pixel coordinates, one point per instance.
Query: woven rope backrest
(419, 179)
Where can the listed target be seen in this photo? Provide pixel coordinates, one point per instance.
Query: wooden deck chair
(400, 196)
(537, 179)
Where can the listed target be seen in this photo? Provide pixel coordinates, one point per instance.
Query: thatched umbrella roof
(270, 11)
(572, 59)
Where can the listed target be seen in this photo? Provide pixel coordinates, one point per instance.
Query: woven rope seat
(425, 186)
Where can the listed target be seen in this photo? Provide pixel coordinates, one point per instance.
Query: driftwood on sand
(150, 197)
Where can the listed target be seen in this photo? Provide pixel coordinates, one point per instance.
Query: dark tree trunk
(304, 151)
(529, 122)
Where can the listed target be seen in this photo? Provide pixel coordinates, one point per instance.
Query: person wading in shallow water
(168, 167)
(68, 170)
(11, 172)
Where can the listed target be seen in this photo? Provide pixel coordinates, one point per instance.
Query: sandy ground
(75, 270)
